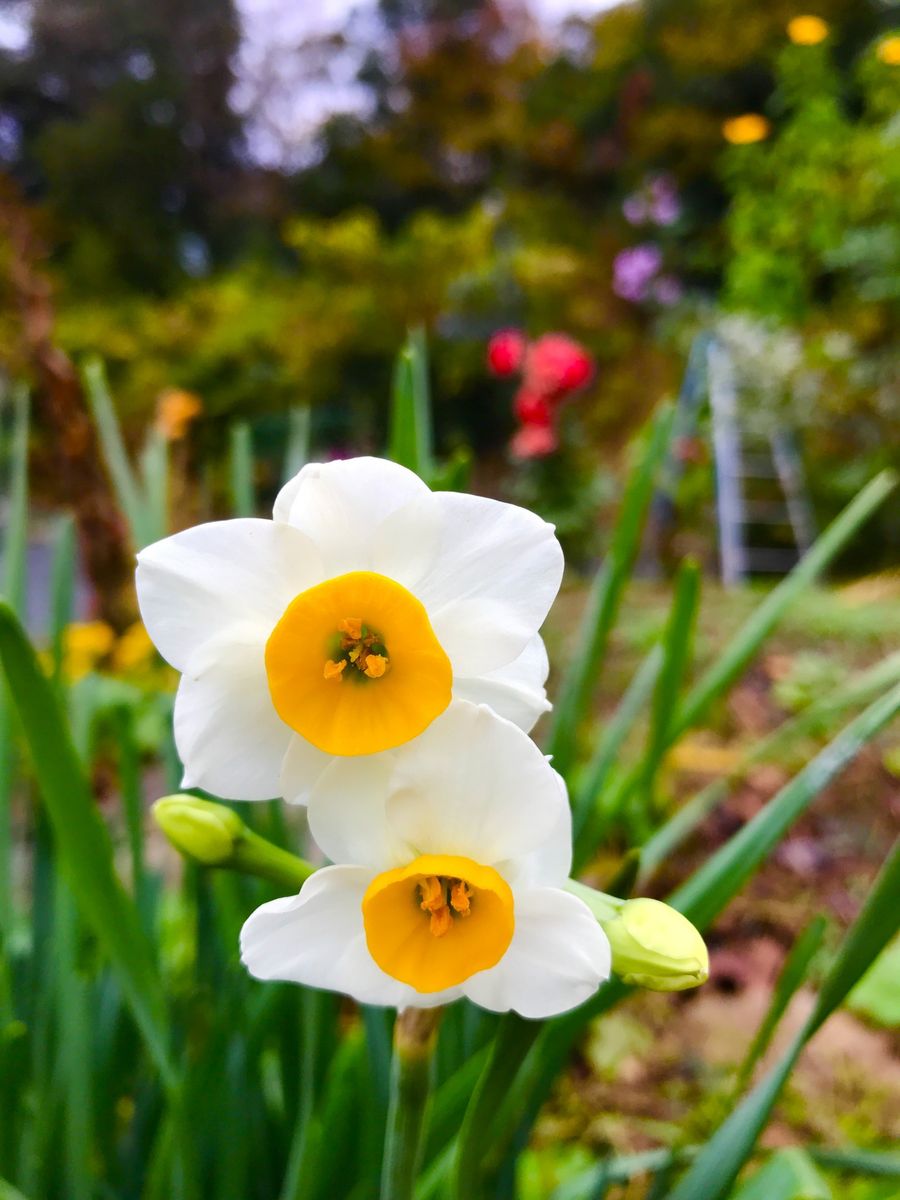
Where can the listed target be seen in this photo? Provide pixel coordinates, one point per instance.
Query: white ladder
(742, 459)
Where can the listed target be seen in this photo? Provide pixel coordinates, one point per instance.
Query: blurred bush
(495, 176)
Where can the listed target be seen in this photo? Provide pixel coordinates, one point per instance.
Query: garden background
(218, 225)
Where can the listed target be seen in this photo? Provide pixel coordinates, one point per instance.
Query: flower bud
(199, 829)
(656, 947)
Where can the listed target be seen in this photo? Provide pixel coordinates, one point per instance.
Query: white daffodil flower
(345, 625)
(450, 885)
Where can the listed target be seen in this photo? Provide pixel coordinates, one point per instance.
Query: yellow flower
(750, 127)
(888, 50)
(175, 411)
(807, 30)
(134, 649)
(84, 644)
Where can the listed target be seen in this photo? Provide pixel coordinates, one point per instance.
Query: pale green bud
(655, 946)
(201, 830)
(215, 836)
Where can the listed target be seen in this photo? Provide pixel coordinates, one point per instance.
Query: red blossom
(506, 352)
(532, 408)
(556, 366)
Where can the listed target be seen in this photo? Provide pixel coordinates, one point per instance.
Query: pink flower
(557, 365)
(534, 441)
(506, 352)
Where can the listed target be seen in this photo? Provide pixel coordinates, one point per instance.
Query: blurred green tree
(127, 136)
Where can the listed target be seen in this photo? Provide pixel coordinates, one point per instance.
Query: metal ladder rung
(770, 560)
(743, 456)
(757, 466)
(766, 512)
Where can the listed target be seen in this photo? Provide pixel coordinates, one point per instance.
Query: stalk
(412, 1078)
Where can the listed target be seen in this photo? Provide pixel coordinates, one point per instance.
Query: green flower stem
(215, 836)
(412, 1077)
(253, 855)
(605, 908)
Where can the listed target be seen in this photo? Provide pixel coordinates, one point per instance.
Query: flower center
(444, 899)
(437, 921)
(321, 663)
(356, 645)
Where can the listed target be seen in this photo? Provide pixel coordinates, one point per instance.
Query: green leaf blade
(82, 840)
(605, 597)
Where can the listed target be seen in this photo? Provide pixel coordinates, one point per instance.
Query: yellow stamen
(441, 920)
(376, 665)
(335, 669)
(352, 626)
(460, 896)
(432, 892)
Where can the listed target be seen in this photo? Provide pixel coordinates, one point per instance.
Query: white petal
(473, 784)
(550, 863)
(347, 813)
(302, 766)
(351, 509)
(557, 959)
(406, 544)
(497, 573)
(318, 939)
(515, 691)
(194, 585)
(228, 735)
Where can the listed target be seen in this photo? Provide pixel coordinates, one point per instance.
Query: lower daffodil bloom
(450, 884)
(345, 625)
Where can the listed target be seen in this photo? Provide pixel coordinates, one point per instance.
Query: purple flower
(665, 207)
(656, 202)
(634, 209)
(634, 270)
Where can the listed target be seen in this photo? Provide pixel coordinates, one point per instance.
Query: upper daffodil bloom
(450, 883)
(345, 625)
